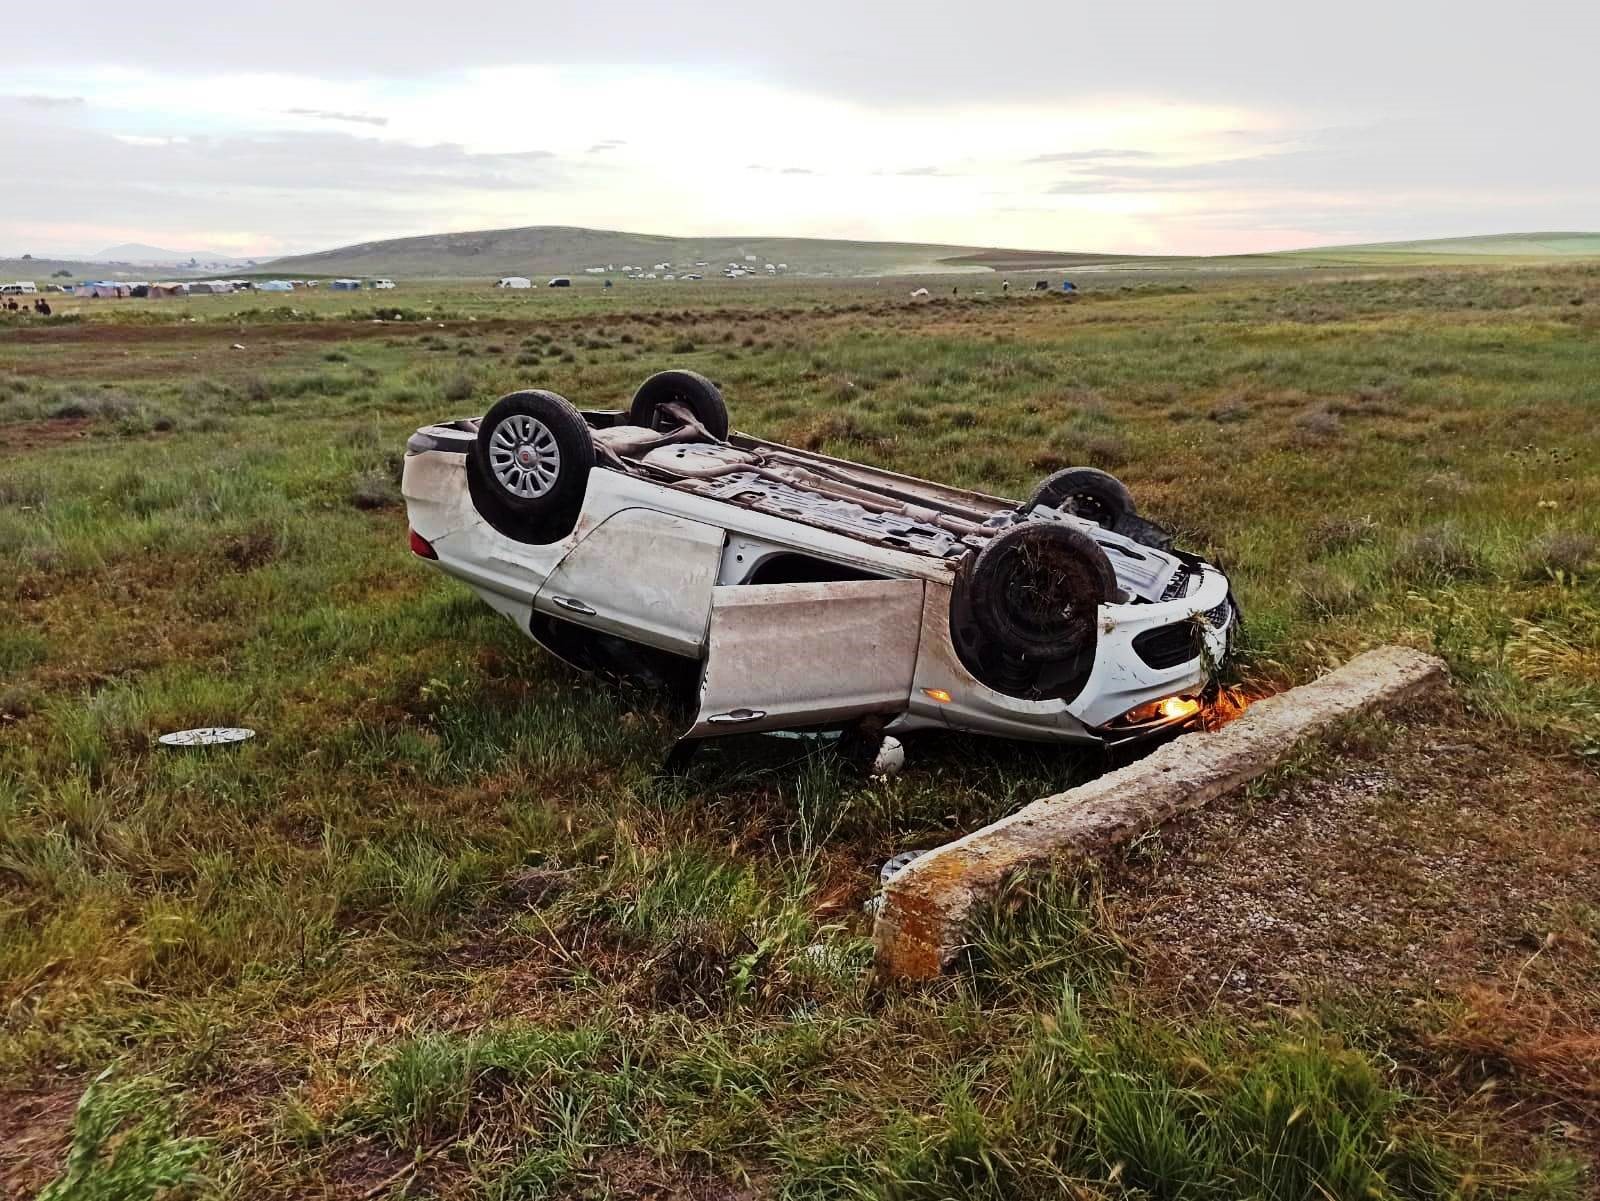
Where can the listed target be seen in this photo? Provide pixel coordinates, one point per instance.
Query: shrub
(1438, 552)
(375, 490)
(1567, 554)
(1327, 593)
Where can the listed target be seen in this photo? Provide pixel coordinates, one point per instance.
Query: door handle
(735, 717)
(572, 605)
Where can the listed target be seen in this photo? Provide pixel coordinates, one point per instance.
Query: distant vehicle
(692, 275)
(346, 285)
(803, 591)
(559, 281)
(383, 285)
(23, 287)
(514, 281)
(1042, 286)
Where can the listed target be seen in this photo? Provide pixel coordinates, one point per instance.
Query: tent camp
(167, 291)
(514, 281)
(346, 285)
(210, 287)
(275, 285)
(102, 288)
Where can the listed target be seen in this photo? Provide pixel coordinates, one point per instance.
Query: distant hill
(141, 254)
(42, 271)
(1532, 246)
(559, 249)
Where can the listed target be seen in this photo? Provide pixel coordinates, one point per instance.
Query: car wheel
(1086, 492)
(1034, 591)
(688, 388)
(531, 462)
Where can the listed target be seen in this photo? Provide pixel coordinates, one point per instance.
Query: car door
(783, 656)
(641, 575)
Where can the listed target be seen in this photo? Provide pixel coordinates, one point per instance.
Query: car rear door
(783, 656)
(641, 575)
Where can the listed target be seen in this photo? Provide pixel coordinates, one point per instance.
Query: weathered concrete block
(927, 907)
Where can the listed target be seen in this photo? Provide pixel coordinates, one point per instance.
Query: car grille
(1217, 617)
(1169, 645)
(1178, 585)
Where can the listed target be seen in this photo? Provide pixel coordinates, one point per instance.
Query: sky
(1154, 127)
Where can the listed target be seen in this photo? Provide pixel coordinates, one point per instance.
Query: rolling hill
(550, 249)
(554, 249)
(1528, 246)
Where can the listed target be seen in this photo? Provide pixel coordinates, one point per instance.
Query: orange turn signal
(937, 694)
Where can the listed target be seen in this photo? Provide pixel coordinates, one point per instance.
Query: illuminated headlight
(1167, 709)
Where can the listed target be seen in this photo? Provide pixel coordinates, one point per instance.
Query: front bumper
(1150, 652)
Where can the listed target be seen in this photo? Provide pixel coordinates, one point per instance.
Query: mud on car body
(802, 591)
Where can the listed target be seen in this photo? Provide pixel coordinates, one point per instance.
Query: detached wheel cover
(524, 456)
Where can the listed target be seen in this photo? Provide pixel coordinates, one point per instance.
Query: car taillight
(421, 546)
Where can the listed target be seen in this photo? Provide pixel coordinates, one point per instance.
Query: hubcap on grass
(524, 456)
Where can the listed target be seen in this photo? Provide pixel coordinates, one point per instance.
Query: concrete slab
(922, 925)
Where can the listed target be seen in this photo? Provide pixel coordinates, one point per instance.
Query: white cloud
(1211, 137)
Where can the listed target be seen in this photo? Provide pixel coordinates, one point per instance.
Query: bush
(1565, 554)
(375, 490)
(1438, 552)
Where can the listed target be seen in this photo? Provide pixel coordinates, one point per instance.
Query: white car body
(671, 552)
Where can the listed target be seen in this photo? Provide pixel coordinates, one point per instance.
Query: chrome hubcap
(524, 456)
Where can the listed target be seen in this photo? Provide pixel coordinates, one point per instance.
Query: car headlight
(1166, 709)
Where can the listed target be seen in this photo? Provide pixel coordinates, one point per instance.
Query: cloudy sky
(1179, 127)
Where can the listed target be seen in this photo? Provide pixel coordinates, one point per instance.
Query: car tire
(688, 388)
(1035, 590)
(530, 465)
(1086, 492)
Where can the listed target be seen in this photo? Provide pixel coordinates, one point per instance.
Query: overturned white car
(802, 591)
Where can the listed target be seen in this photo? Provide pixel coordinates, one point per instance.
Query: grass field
(444, 929)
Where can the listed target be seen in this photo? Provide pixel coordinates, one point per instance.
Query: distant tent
(346, 285)
(167, 291)
(210, 287)
(275, 285)
(101, 288)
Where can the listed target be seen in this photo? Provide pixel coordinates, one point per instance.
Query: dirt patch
(32, 435)
(1445, 859)
(34, 1131)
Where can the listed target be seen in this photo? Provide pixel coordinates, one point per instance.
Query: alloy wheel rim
(524, 456)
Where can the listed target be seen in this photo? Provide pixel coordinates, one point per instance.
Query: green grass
(444, 921)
